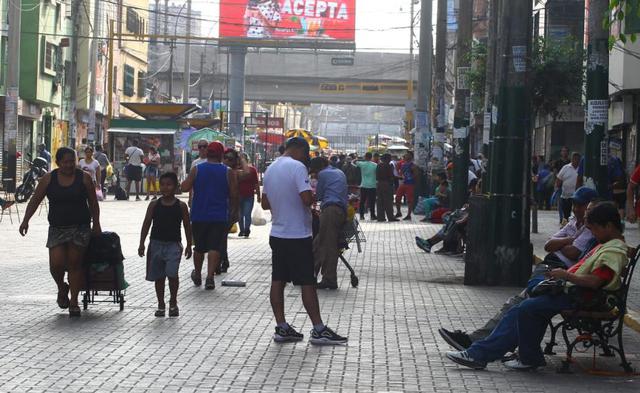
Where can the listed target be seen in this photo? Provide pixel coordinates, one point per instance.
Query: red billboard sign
(331, 20)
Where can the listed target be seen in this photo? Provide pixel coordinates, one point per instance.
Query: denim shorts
(163, 259)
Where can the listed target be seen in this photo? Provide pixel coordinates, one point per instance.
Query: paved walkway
(222, 340)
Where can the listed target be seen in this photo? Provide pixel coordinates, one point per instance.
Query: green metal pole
(511, 261)
(596, 149)
(462, 106)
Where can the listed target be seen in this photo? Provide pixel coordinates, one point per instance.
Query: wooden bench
(597, 323)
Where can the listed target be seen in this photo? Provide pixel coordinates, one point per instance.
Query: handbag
(549, 286)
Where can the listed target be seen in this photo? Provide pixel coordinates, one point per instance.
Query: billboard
(289, 20)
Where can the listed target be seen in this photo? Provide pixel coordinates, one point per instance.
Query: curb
(632, 319)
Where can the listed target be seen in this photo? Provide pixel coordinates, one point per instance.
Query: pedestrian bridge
(299, 77)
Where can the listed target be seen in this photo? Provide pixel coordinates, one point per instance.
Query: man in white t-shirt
(566, 179)
(287, 193)
(134, 156)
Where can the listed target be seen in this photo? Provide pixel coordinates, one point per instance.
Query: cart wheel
(121, 297)
(354, 281)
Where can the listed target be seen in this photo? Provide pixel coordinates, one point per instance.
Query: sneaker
(174, 311)
(326, 337)
(241, 234)
(516, 364)
(247, 233)
(423, 244)
(398, 215)
(463, 359)
(457, 339)
(210, 284)
(287, 335)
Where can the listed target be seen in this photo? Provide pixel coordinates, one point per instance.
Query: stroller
(351, 233)
(104, 271)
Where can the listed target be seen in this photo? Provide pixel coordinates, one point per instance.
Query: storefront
(163, 135)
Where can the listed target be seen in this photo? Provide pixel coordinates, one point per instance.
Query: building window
(3, 71)
(135, 24)
(114, 82)
(49, 55)
(141, 84)
(632, 18)
(129, 81)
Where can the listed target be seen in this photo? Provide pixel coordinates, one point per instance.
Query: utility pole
(437, 147)
(91, 129)
(462, 105)
(409, 105)
(201, 82)
(596, 146)
(73, 74)
(9, 148)
(186, 77)
(509, 262)
(422, 138)
(489, 91)
(172, 45)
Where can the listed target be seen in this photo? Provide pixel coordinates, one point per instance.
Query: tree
(618, 11)
(557, 74)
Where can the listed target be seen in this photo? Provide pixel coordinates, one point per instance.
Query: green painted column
(596, 149)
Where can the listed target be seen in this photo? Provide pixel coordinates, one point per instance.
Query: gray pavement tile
(222, 340)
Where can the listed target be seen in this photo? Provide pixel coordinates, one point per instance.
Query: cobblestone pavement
(222, 340)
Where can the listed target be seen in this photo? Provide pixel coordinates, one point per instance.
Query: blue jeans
(523, 327)
(246, 207)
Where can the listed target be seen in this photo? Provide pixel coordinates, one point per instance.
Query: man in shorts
(134, 156)
(287, 193)
(214, 193)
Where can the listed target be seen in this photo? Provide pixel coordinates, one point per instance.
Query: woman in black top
(72, 207)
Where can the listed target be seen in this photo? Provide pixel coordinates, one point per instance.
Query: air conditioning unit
(621, 112)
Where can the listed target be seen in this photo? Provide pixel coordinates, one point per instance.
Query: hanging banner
(310, 20)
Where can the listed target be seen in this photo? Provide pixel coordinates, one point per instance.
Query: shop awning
(143, 131)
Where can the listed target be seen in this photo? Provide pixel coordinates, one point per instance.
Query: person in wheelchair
(564, 248)
(524, 325)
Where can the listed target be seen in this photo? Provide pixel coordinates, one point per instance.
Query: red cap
(216, 148)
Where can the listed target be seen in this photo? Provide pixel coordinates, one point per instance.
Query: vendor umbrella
(207, 134)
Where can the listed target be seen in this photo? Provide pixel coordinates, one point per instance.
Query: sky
(381, 25)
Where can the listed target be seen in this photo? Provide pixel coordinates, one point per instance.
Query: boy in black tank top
(165, 247)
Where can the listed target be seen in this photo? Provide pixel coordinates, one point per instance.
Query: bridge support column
(236, 91)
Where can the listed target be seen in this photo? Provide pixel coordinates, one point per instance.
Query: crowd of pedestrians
(588, 251)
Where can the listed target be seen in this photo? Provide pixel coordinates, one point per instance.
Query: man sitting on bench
(565, 248)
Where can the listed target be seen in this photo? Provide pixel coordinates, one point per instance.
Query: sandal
(63, 296)
(159, 312)
(197, 281)
(174, 311)
(74, 311)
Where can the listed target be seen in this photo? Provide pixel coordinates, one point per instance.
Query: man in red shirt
(248, 187)
(633, 207)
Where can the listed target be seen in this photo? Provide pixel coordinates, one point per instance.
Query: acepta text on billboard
(288, 19)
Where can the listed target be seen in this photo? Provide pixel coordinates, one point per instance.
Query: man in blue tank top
(214, 193)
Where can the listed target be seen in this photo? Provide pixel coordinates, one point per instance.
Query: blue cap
(584, 195)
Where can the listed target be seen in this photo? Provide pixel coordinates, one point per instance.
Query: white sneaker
(463, 359)
(516, 364)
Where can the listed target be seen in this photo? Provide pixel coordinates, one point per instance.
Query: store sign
(331, 20)
(342, 61)
(259, 122)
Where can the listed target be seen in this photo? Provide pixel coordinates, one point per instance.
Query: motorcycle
(38, 168)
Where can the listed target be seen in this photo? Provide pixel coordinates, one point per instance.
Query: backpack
(104, 249)
(120, 193)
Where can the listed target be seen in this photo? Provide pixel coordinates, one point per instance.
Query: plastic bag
(234, 228)
(257, 216)
(99, 194)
